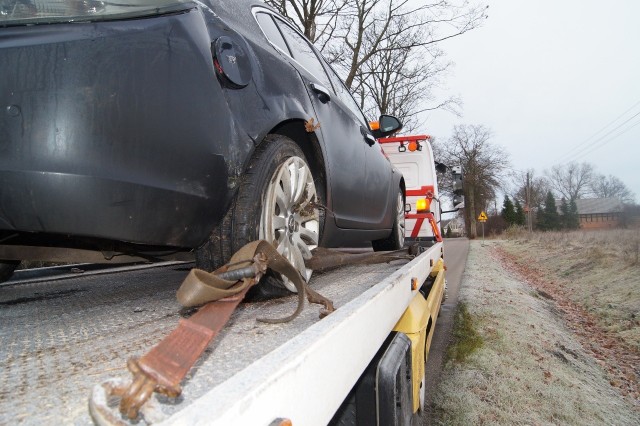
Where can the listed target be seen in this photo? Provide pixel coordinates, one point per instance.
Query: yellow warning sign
(482, 217)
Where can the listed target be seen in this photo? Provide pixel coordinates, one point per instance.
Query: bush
(516, 232)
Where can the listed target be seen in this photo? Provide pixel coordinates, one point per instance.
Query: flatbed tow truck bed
(60, 338)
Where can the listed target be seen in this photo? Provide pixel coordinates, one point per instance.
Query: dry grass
(515, 232)
(598, 270)
(531, 368)
(616, 244)
(621, 245)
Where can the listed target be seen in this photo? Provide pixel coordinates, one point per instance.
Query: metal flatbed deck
(60, 338)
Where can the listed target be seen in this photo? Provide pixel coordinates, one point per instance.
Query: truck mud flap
(382, 395)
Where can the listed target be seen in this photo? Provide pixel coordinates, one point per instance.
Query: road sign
(482, 217)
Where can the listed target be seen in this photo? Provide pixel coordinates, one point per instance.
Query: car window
(303, 53)
(345, 96)
(27, 12)
(271, 31)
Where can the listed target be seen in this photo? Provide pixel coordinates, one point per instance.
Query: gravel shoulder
(533, 366)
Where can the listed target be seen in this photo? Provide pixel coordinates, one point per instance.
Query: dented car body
(133, 130)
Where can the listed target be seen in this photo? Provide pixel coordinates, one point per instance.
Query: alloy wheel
(290, 219)
(400, 229)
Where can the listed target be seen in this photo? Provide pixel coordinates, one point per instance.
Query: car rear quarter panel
(113, 129)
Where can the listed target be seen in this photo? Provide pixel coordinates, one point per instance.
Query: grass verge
(531, 368)
(466, 339)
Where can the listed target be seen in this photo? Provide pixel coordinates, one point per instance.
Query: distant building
(598, 213)
(456, 225)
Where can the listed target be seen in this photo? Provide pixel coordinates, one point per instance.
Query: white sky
(545, 76)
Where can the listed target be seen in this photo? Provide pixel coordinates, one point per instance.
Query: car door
(376, 187)
(344, 133)
(378, 191)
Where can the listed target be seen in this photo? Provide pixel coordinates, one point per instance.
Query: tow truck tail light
(423, 205)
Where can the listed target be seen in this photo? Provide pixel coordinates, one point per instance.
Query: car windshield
(24, 12)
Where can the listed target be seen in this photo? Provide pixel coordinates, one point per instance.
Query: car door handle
(370, 140)
(321, 91)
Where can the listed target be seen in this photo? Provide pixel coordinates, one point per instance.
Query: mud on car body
(197, 126)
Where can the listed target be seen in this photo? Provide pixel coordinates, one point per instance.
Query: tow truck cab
(413, 156)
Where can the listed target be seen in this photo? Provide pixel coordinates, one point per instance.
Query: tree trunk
(471, 212)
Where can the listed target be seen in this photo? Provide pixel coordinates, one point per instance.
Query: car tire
(395, 240)
(6, 269)
(265, 208)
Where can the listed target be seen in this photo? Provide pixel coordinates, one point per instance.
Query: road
(455, 256)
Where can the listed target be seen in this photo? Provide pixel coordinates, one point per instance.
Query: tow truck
(413, 156)
(363, 364)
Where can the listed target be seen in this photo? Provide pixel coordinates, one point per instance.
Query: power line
(595, 148)
(572, 150)
(587, 147)
(603, 128)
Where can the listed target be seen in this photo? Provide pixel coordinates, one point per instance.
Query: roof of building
(455, 222)
(599, 205)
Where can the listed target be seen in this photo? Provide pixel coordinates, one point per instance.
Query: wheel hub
(291, 224)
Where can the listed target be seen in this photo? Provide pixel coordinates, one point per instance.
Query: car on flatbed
(148, 129)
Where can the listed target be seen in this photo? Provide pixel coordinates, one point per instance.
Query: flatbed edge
(307, 378)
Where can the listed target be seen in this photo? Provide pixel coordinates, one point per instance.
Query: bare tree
(380, 46)
(484, 166)
(530, 191)
(401, 81)
(571, 181)
(537, 187)
(610, 186)
(317, 18)
(370, 25)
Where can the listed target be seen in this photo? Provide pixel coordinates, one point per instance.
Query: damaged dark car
(173, 128)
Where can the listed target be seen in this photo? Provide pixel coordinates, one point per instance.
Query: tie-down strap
(164, 367)
(200, 287)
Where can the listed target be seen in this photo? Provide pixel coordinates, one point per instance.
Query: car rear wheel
(276, 202)
(395, 241)
(6, 269)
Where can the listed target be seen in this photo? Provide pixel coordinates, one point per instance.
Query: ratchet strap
(201, 287)
(164, 367)
(218, 293)
(326, 259)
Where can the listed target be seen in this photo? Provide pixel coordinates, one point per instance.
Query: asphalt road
(455, 257)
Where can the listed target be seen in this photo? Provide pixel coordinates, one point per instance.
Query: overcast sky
(549, 78)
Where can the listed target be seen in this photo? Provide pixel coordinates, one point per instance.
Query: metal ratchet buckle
(134, 397)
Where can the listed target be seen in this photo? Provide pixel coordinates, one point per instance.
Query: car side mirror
(458, 191)
(441, 168)
(387, 125)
